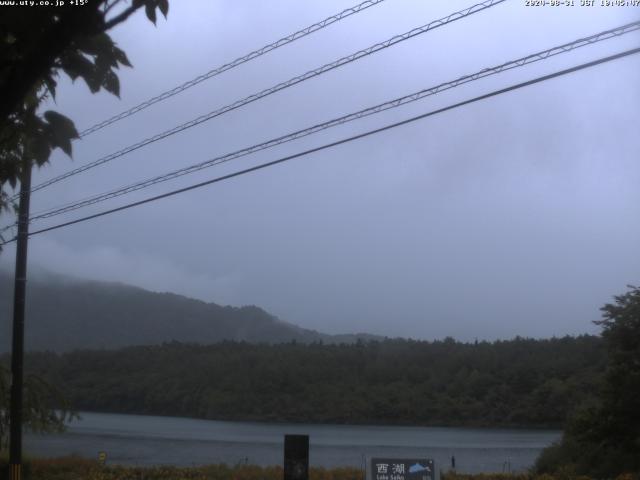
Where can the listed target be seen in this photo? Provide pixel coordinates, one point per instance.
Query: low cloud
(112, 264)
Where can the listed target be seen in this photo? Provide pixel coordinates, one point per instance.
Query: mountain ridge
(69, 313)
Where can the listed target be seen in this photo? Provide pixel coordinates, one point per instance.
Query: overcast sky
(518, 215)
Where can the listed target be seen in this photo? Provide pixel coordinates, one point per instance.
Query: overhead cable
(228, 66)
(281, 86)
(529, 59)
(343, 141)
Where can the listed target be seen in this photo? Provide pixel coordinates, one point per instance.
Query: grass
(525, 476)
(76, 468)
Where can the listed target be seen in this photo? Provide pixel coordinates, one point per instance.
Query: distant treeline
(521, 382)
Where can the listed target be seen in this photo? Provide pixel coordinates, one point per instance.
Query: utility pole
(17, 349)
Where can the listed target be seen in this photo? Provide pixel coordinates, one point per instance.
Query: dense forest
(602, 437)
(521, 382)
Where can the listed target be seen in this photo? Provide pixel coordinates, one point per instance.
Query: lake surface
(148, 440)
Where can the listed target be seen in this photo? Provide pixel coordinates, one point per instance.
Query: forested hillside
(521, 382)
(64, 314)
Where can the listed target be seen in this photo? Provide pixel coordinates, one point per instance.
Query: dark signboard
(402, 469)
(296, 457)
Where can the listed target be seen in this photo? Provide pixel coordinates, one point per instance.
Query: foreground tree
(45, 408)
(36, 45)
(604, 439)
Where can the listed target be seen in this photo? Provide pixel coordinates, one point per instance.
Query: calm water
(147, 440)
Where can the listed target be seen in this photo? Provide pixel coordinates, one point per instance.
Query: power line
(281, 86)
(344, 140)
(228, 66)
(532, 58)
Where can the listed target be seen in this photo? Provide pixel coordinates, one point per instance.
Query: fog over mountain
(66, 313)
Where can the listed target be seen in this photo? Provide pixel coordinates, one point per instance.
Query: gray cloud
(511, 216)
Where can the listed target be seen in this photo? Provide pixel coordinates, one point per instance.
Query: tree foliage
(521, 382)
(603, 439)
(36, 46)
(45, 409)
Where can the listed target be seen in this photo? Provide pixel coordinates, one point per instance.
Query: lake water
(148, 440)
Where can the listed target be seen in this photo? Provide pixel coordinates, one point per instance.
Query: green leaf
(72, 64)
(61, 124)
(163, 5)
(150, 10)
(77, 65)
(64, 144)
(61, 130)
(96, 45)
(9, 162)
(40, 150)
(32, 98)
(105, 62)
(51, 85)
(121, 57)
(111, 83)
